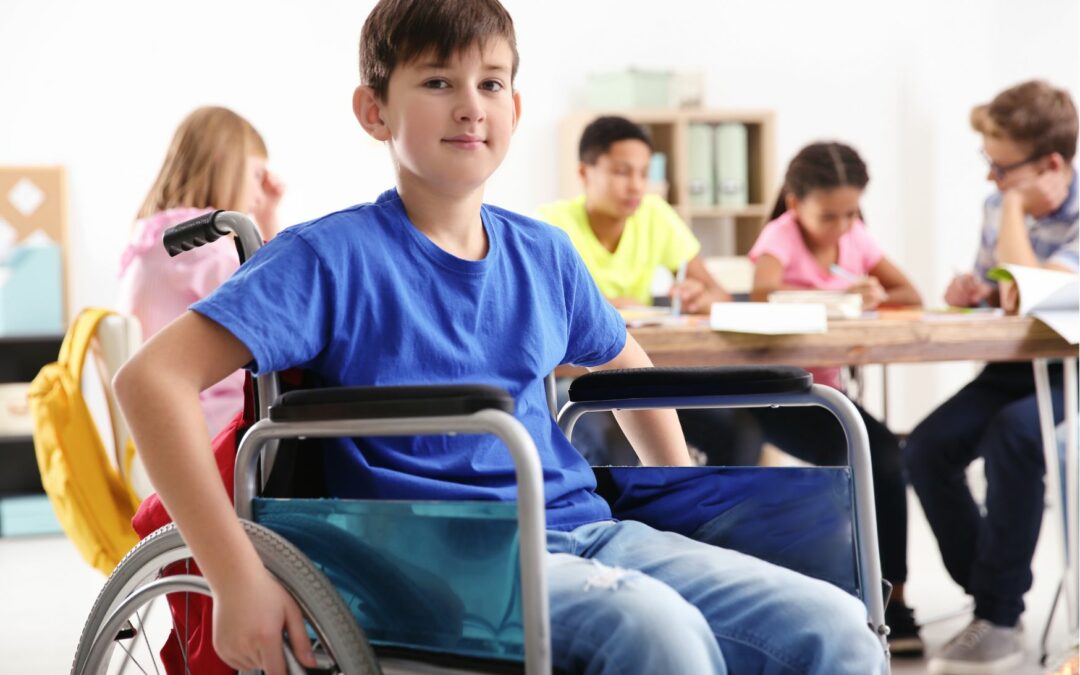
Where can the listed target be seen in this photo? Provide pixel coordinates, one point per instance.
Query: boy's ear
(790, 201)
(1055, 162)
(368, 111)
(517, 108)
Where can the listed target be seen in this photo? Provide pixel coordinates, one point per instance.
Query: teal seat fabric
(437, 576)
(444, 576)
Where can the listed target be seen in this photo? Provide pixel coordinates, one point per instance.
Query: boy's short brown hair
(398, 31)
(1034, 113)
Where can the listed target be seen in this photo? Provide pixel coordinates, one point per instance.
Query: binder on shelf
(732, 165)
(31, 300)
(701, 180)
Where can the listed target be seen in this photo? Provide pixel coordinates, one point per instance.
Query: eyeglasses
(999, 171)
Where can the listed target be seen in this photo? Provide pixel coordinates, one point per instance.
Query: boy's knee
(926, 451)
(645, 625)
(860, 650)
(1013, 440)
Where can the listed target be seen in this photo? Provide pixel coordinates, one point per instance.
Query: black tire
(323, 608)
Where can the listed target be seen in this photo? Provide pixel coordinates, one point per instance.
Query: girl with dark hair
(817, 240)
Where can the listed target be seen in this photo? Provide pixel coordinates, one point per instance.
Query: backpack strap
(77, 341)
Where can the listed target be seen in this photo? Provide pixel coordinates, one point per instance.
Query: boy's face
(448, 124)
(1011, 162)
(616, 182)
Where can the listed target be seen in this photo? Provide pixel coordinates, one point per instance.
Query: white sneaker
(982, 648)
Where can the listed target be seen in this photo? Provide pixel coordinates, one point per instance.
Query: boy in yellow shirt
(623, 235)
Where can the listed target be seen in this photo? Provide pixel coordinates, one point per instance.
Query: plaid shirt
(1053, 237)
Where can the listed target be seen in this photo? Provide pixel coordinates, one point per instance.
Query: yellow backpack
(92, 501)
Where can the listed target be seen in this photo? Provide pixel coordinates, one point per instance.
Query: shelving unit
(723, 231)
(23, 506)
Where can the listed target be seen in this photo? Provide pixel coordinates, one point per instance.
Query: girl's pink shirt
(782, 239)
(156, 289)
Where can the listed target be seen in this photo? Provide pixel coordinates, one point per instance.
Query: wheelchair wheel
(339, 644)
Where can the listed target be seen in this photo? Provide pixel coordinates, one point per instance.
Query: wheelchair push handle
(210, 227)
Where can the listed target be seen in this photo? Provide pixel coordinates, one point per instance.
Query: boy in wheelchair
(429, 285)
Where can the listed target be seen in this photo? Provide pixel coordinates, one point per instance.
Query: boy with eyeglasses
(1029, 135)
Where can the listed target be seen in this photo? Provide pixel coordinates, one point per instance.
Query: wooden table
(897, 337)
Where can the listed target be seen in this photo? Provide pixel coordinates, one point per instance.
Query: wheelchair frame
(260, 443)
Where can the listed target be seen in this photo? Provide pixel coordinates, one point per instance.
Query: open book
(768, 318)
(1048, 295)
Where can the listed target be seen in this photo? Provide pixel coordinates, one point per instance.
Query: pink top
(782, 239)
(156, 289)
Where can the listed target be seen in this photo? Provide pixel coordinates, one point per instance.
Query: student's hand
(967, 290)
(1042, 193)
(871, 290)
(625, 303)
(695, 298)
(249, 617)
(265, 211)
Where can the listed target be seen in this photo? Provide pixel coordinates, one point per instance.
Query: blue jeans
(626, 598)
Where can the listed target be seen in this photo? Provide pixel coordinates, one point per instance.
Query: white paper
(1050, 296)
(768, 318)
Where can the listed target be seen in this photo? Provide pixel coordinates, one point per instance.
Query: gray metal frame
(1068, 586)
(858, 449)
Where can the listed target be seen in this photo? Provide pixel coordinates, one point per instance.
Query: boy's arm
(655, 435)
(158, 391)
(1037, 197)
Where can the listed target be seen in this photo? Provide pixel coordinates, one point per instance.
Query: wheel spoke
(146, 640)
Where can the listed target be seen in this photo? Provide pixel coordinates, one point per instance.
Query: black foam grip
(191, 234)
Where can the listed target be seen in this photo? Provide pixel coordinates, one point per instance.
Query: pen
(842, 273)
(676, 300)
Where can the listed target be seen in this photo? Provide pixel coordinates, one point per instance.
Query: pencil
(676, 300)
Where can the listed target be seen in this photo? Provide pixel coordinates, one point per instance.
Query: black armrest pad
(618, 385)
(342, 403)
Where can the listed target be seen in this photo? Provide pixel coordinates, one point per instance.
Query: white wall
(99, 87)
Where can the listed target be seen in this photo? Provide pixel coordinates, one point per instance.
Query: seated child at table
(624, 235)
(817, 240)
(1029, 141)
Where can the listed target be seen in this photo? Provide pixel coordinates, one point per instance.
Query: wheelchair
(390, 592)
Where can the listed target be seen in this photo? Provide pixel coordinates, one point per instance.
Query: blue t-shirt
(362, 297)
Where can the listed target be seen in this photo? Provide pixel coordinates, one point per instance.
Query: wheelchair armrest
(341, 403)
(620, 385)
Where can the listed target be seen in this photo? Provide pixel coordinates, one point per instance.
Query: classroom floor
(46, 591)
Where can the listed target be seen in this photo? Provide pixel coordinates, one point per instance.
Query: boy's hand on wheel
(249, 618)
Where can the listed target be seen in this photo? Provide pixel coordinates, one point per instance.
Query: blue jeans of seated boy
(626, 598)
(994, 417)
